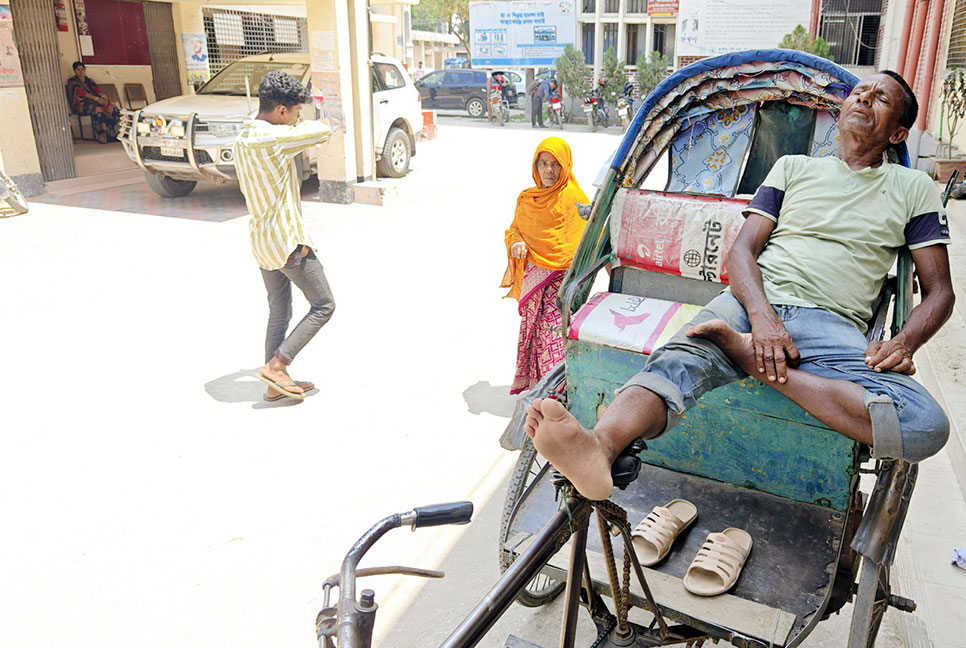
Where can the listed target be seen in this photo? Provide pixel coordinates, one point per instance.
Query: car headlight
(144, 128)
(176, 130)
(224, 129)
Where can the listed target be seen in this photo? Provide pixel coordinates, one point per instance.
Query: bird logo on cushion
(622, 321)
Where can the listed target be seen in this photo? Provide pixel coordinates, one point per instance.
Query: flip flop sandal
(719, 561)
(280, 386)
(306, 386)
(653, 537)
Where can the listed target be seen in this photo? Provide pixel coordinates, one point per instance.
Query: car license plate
(172, 148)
(622, 111)
(588, 108)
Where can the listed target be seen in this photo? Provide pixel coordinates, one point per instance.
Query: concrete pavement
(151, 497)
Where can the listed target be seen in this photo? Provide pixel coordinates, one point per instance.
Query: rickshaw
(745, 455)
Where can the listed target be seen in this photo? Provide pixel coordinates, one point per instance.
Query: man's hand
(890, 355)
(774, 348)
(518, 250)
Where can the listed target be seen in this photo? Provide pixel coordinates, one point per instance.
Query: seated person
(820, 235)
(87, 99)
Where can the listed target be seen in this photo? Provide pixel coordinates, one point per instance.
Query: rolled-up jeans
(830, 346)
(306, 273)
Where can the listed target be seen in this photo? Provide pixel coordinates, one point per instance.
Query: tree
(455, 13)
(953, 98)
(651, 70)
(801, 41)
(613, 71)
(572, 72)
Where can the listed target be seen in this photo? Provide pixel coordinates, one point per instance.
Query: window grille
(610, 36)
(851, 28)
(589, 6)
(234, 34)
(637, 6)
(956, 56)
(612, 6)
(587, 43)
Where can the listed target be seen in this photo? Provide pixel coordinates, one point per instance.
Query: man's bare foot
(576, 452)
(737, 346)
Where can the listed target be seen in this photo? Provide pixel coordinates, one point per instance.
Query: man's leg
(279, 290)
(651, 403)
(890, 412)
(307, 274)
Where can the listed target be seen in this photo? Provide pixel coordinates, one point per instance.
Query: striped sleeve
(294, 139)
(927, 225)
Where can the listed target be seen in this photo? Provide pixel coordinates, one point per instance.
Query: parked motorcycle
(555, 112)
(625, 105)
(594, 107)
(499, 104)
(12, 201)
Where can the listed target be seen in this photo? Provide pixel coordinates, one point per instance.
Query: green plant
(572, 72)
(953, 97)
(651, 70)
(800, 40)
(613, 71)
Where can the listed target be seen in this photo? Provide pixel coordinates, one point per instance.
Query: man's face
(872, 110)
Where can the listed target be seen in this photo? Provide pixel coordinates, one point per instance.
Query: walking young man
(265, 154)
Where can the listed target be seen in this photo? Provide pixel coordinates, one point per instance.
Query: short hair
(910, 106)
(281, 89)
(78, 64)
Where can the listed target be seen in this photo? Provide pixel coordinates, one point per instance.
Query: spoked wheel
(542, 589)
(870, 604)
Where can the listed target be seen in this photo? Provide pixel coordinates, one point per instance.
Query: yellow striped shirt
(265, 162)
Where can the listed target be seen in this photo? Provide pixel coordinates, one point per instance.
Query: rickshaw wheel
(542, 589)
(871, 602)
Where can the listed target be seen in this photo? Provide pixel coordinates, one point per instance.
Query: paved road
(151, 498)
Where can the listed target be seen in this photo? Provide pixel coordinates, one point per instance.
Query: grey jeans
(306, 273)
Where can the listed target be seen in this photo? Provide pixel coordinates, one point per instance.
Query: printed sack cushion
(629, 322)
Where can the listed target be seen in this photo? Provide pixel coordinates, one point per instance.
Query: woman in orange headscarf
(541, 243)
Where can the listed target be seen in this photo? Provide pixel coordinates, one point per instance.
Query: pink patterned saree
(540, 347)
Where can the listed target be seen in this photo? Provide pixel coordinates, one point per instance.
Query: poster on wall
(523, 34)
(712, 27)
(60, 13)
(661, 8)
(11, 76)
(83, 30)
(195, 49)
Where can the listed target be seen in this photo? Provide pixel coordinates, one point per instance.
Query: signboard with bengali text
(712, 27)
(662, 7)
(521, 34)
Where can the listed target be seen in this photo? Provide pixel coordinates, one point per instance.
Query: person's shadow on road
(243, 386)
(492, 399)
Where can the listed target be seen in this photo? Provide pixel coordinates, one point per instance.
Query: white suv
(182, 140)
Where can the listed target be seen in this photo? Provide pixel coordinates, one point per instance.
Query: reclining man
(820, 235)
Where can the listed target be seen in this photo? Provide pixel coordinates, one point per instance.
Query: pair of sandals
(715, 568)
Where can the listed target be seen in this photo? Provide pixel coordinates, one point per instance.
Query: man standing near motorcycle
(544, 92)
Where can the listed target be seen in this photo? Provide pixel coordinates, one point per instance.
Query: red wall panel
(118, 33)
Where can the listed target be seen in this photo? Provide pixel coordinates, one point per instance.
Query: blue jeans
(306, 273)
(830, 345)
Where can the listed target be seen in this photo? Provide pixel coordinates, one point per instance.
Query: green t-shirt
(838, 231)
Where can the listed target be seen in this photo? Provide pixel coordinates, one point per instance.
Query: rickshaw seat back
(671, 254)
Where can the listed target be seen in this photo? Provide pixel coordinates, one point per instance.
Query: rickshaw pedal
(627, 466)
(902, 603)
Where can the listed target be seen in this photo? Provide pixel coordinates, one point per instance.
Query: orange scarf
(546, 220)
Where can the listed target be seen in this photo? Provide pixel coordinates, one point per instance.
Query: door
(388, 99)
(163, 49)
(429, 87)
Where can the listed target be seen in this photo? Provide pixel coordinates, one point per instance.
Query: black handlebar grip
(440, 514)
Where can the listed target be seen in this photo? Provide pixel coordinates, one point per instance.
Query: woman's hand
(518, 250)
(102, 100)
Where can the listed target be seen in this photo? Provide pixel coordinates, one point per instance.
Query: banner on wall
(11, 75)
(711, 27)
(662, 7)
(60, 13)
(521, 34)
(195, 49)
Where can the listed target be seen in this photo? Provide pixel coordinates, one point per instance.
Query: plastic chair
(135, 95)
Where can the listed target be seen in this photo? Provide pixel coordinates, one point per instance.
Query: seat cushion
(675, 234)
(628, 322)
